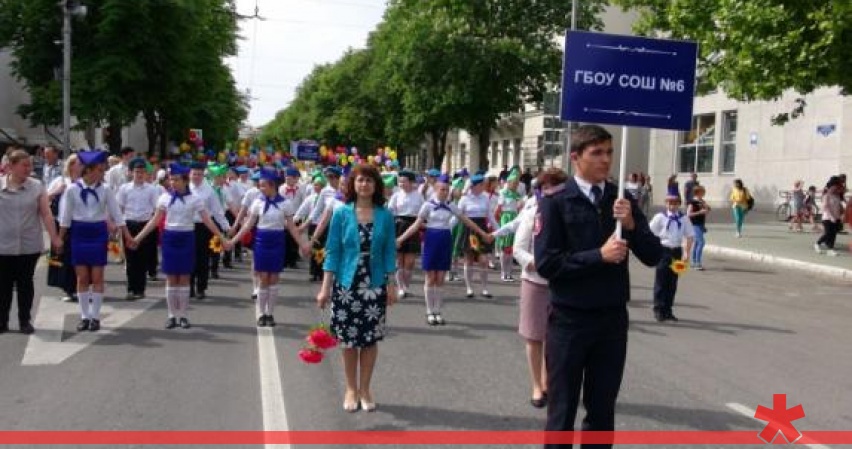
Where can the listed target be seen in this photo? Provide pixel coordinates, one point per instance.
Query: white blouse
(523, 248)
(438, 215)
(273, 216)
(100, 203)
(403, 204)
(478, 206)
(672, 229)
(180, 213)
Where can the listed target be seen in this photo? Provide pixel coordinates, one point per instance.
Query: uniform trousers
(139, 259)
(16, 274)
(665, 282)
(585, 350)
(201, 273)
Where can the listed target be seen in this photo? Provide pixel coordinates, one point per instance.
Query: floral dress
(358, 313)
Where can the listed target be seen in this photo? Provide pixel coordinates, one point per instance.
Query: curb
(753, 256)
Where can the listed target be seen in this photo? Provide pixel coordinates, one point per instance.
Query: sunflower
(216, 244)
(679, 266)
(319, 255)
(474, 242)
(113, 248)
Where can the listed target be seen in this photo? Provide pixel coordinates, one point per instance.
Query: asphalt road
(745, 333)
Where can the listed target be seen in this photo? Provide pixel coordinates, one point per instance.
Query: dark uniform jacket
(569, 234)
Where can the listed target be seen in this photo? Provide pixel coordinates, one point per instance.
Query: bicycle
(784, 211)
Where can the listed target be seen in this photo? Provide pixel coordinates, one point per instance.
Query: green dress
(510, 203)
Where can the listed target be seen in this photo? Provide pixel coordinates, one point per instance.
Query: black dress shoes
(261, 322)
(27, 328)
(539, 402)
(270, 320)
(202, 294)
(95, 325)
(184, 323)
(83, 325)
(171, 323)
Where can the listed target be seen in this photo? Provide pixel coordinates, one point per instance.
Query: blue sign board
(628, 80)
(305, 150)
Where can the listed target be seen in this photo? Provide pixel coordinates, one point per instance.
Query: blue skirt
(268, 250)
(178, 252)
(89, 243)
(437, 250)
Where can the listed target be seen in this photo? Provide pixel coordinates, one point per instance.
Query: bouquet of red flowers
(319, 340)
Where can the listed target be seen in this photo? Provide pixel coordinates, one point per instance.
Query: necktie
(674, 218)
(597, 195)
(271, 202)
(439, 206)
(86, 191)
(178, 196)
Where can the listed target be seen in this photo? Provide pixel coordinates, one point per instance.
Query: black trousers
(201, 274)
(139, 259)
(316, 265)
(665, 282)
(228, 256)
(291, 250)
(16, 274)
(585, 349)
(829, 233)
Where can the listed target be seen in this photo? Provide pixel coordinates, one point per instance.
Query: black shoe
(139, 295)
(72, 298)
(228, 265)
(130, 296)
(192, 293)
(83, 325)
(184, 323)
(171, 323)
(95, 325)
(261, 322)
(540, 402)
(439, 319)
(4, 328)
(254, 296)
(671, 317)
(659, 317)
(27, 328)
(214, 275)
(270, 320)
(202, 294)
(430, 319)
(152, 277)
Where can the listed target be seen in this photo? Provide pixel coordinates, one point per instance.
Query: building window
(516, 159)
(506, 150)
(695, 153)
(463, 155)
(729, 141)
(495, 147)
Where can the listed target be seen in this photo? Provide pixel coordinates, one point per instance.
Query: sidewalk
(767, 240)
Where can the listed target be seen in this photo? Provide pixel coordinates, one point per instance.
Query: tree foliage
(159, 59)
(758, 49)
(444, 64)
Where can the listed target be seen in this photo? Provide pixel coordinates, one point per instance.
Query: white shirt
(274, 216)
(138, 201)
(478, 206)
(72, 207)
(403, 204)
(210, 201)
(438, 215)
(318, 207)
(305, 208)
(117, 176)
(512, 226)
(236, 190)
(180, 213)
(523, 249)
(664, 225)
(249, 197)
(296, 194)
(586, 187)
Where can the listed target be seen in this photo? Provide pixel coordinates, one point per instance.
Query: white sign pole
(622, 174)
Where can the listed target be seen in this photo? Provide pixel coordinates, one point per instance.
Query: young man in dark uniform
(586, 266)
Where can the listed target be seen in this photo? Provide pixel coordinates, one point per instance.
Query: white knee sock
(270, 301)
(437, 299)
(400, 278)
(506, 264)
(262, 301)
(467, 270)
(183, 301)
(84, 300)
(427, 293)
(483, 277)
(171, 301)
(97, 300)
(406, 274)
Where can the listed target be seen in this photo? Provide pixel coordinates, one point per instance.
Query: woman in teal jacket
(360, 262)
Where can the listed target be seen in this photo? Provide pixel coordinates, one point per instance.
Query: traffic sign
(628, 80)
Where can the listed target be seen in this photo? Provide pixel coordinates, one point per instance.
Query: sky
(276, 54)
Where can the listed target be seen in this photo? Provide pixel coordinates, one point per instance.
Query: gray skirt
(534, 308)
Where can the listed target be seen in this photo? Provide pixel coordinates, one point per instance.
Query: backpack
(749, 201)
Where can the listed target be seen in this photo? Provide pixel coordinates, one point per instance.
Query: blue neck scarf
(86, 191)
(271, 202)
(179, 196)
(439, 206)
(674, 218)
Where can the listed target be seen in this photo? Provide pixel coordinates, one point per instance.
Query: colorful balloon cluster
(343, 156)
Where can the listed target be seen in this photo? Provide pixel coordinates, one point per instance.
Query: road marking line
(271, 391)
(743, 410)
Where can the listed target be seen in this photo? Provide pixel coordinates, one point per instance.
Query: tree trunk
(150, 131)
(483, 138)
(442, 150)
(113, 138)
(163, 137)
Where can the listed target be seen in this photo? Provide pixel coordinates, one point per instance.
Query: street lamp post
(69, 8)
(567, 128)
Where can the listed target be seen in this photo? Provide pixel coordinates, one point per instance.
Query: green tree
(758, 49)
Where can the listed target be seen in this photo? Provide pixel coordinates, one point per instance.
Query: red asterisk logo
(779, 418)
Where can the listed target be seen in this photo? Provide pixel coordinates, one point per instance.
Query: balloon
(396, 163)
(392, 155)
(242, 153)
(369, 159)
(354, 150)
(389, 163)
(323, 151)
(350, 159)
(378, 159)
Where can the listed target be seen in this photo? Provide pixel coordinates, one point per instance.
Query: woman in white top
(87, 206)
(535, 295)
(272, 214)
(477, 206)
(405, 205)
(178, 242)
(438, 214)
(62, 275)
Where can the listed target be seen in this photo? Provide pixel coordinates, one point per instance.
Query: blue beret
(294, 172)
(476, 179)
(433, 172)
(178, 169)
(269, 175)
(255, 176)
(445, 179)
(242, 169)
(334, 170)
(408, 174)
(137, 163)
(92, 157)
(197, 166)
